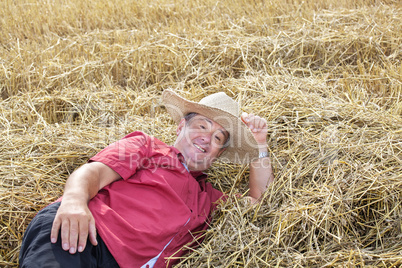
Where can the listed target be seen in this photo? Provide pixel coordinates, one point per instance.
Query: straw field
(327, 75)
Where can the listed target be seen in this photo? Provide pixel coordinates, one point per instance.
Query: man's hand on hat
(258, 127)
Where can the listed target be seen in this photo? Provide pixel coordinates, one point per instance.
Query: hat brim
(242, 146)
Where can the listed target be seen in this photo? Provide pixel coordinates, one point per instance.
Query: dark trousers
(38, 252)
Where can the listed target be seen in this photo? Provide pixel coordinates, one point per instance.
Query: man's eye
(219, 139)
(201, 126)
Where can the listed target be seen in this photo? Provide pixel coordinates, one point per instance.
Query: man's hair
(190, 116)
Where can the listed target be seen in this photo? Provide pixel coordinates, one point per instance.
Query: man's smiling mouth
(199, 148)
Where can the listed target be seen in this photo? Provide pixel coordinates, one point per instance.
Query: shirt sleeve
(125, 155)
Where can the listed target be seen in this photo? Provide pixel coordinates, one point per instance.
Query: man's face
(200, 140)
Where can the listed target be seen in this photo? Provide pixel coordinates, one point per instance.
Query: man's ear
(221, 151)
(180, 126)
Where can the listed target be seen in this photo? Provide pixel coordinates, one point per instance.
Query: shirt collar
(198, 175)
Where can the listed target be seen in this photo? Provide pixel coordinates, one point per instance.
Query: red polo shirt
(156, 208)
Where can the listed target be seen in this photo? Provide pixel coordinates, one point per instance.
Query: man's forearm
(83, 184)
(261, 175)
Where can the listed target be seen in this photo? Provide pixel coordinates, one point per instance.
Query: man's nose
(206, 137)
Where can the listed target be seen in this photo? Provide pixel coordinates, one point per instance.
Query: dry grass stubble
(75, 76)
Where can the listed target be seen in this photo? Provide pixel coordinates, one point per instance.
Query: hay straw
(327, 75)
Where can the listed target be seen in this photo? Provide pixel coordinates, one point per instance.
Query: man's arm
(73, 216)
(261, 174)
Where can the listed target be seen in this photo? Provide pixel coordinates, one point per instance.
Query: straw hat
(222, 109)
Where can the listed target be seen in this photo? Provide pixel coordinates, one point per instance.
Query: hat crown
(221, 101)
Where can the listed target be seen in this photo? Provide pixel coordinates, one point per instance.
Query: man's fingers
(243, 117)
(247, 119)
(261, 123)
(92, 232)
(73, 236)
(253, 122)
(65, 235)
(82, 238)
(257, 123)
(54, 233)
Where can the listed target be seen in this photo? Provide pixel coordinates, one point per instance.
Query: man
(139, 201)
